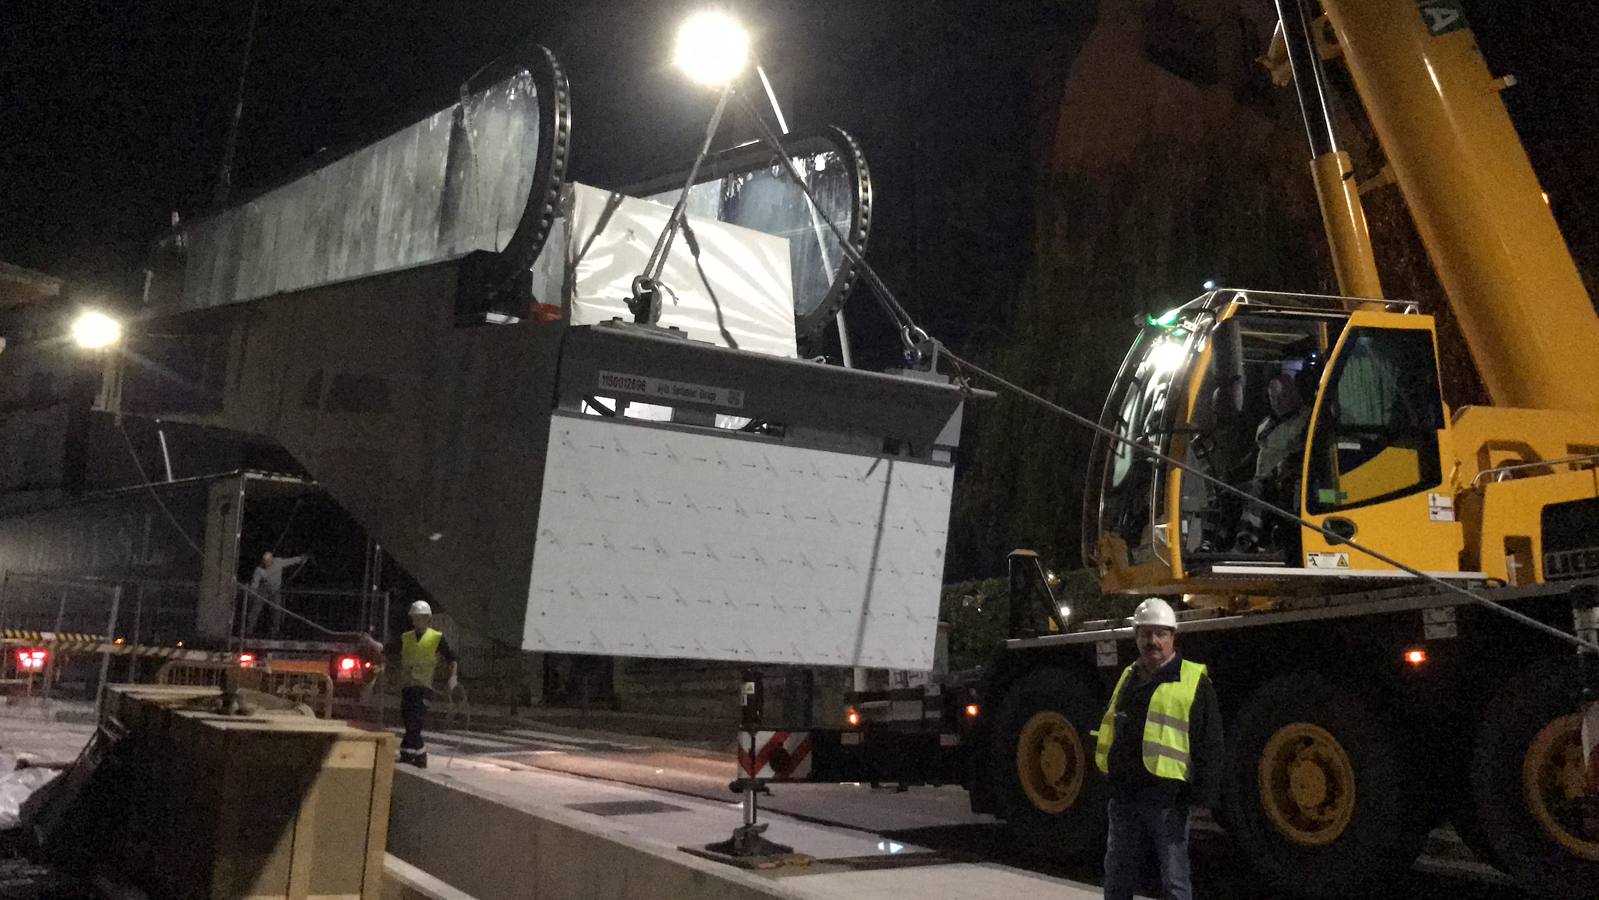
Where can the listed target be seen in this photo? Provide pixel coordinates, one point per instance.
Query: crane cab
(1327, 407)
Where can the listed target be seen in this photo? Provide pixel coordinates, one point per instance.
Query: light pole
(96, 333)
(712, 49)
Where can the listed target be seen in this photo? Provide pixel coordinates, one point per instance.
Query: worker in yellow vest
(1160, 747)
(419, 650)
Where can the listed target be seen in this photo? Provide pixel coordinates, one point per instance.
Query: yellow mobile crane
(1463, 493)
(1372, 684)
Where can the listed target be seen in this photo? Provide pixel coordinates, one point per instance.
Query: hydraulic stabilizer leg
(749, 843)
(1585, 617)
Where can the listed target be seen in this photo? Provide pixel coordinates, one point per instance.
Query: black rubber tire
(1384, 835)
(1515, 842)
(1079, 831)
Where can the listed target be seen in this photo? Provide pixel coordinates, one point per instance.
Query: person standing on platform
(266, 589)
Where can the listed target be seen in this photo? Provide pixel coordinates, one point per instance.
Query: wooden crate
(265, 806)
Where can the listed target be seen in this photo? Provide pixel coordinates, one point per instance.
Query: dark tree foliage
(1110, 249)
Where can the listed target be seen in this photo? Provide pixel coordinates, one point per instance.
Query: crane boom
(1511, 281)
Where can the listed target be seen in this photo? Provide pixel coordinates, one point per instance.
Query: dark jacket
(1130, 779)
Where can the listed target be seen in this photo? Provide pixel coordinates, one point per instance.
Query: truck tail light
(347, 668)
(32, 660)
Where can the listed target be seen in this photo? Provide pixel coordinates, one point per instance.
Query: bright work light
(94, 330)
(712, 48)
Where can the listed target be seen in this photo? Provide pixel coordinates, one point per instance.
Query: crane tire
(1049, 791)
(1532, 719)
(1318, 791)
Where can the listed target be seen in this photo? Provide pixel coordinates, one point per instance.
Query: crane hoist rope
(918, 341)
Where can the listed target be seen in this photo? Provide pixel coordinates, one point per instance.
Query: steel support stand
(105, 649)
(748, 846)
(50, 659)
(845, 355)
(133, 639)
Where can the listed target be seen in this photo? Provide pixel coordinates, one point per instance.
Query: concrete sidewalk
(681, 730)
(495, 829)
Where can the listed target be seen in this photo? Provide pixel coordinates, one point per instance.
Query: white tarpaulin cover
(17, 785)
(748, 273)
(661, 542)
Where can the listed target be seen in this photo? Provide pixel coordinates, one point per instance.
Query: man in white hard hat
(1160, 747)
(419, 651)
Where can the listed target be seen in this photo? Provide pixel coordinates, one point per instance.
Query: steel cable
(910, 331)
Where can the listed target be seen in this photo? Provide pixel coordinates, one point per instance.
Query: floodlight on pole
(94, 330)
(712, 48)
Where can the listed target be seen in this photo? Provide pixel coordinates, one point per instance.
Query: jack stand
(748, 845)
(1585, 618)
(748, 848)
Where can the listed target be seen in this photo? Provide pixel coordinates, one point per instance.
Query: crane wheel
(1530, 799)
(1318, 791)
(1050, 794)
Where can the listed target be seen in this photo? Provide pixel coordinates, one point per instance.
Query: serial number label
(1571, 563)
(666, 390)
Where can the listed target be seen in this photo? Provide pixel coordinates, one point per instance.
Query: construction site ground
(535, 806)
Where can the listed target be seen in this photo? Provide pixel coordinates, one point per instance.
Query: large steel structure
(429, 326)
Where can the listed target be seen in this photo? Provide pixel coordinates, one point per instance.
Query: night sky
(115, 113)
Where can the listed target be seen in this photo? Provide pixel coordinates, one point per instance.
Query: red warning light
(1416, 656)
(245, 659)
(31, 660)
(972, 710)
(853, 716)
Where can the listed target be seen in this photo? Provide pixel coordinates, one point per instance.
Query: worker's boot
(420, 760)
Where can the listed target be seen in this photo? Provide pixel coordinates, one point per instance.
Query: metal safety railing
(1510, 470)
(98, 629)
(307, 615)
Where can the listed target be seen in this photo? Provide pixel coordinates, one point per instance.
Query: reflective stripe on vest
(1165, 726)
(419, 659)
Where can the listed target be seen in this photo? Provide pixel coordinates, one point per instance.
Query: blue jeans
(1139, 828)
(414, 713)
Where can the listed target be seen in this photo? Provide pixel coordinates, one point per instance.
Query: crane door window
(1377, 430)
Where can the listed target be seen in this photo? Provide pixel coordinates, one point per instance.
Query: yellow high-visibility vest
(419, 657)
(1165, 727)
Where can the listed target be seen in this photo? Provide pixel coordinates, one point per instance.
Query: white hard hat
(1155, 611)
(421, 608)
